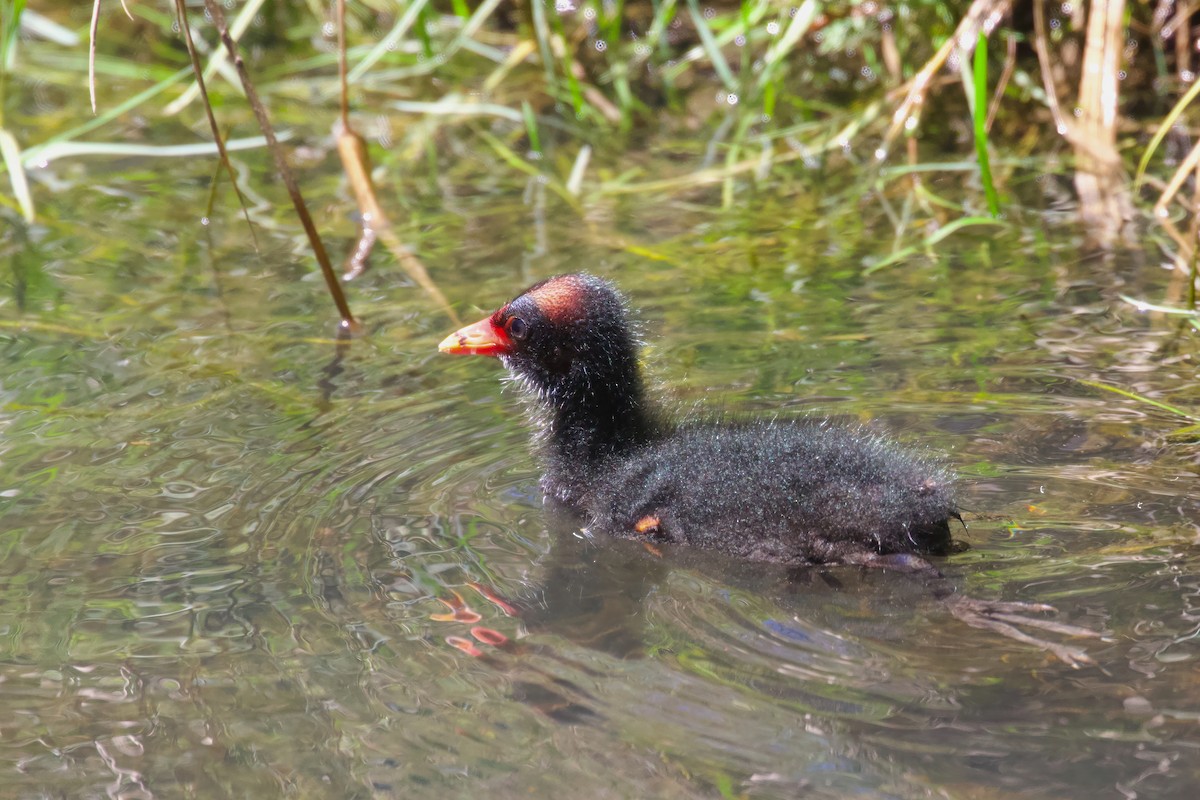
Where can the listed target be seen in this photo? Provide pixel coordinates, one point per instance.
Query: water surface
(240, 560)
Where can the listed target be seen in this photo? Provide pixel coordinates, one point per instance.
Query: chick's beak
(480, 339)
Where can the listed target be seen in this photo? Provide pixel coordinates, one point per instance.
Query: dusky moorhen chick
(797, 493)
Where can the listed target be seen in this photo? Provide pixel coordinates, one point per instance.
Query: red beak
(481, 339)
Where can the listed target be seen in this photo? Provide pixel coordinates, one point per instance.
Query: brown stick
(281, 166)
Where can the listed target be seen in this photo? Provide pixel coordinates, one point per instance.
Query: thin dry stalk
(1042, 48)
(281, 166)
(1182, 288)
(1010, 64)
(1165, 28)
(186, 28)
(342, 67)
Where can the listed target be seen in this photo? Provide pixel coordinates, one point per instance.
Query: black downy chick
(794, 493)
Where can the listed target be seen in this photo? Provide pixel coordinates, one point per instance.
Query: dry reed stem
(353, 152)
(1098, 88)
(1104, 202)
(1010, 65)
(1183, 44)
(343, 85)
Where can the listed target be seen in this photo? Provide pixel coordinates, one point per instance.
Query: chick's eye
(517, 328)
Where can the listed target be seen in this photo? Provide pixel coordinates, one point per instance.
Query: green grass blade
(900, 170)
(1141, 399)
(423, 33)
(981, 135)
(752, 14)
(469, 29)
(10, 24)
(541, 32)
(664, 15)
(568, 69)
(1188, 432)
(453, 105)
(531, 128)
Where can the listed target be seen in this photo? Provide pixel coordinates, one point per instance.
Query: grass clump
(569, 92)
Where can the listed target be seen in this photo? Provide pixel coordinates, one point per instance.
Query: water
(242, 561)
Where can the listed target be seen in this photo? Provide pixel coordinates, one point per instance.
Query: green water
(227, 540)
